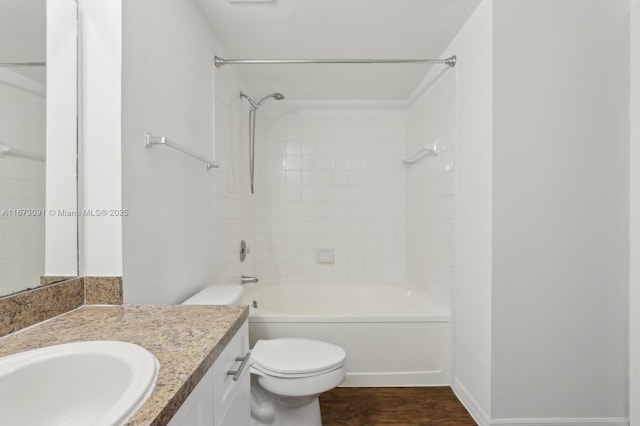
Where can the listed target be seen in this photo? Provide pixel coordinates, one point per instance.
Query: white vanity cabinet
(219, 400)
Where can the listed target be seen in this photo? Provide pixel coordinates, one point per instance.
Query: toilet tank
(217, 294)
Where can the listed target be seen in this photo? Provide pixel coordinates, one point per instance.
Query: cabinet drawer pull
(237, 373)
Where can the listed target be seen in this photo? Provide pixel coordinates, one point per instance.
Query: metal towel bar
(151, 140)
(7, 151)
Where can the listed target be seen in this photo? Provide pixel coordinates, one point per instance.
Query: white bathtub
(393, 336)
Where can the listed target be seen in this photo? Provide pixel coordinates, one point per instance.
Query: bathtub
(393, 336)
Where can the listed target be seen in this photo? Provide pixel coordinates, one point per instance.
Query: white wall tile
(430, 190)
(22, 127)
(343, 170)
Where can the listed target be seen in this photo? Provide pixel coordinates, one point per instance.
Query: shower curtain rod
(451, 61)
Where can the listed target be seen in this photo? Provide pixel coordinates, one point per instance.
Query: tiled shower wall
(330, 177)
(21, 237)
(431, 189)
(22, 126)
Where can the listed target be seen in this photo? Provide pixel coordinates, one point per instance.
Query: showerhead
(276, 96)
(255, 105)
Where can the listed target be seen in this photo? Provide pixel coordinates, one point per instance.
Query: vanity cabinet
(218, 399)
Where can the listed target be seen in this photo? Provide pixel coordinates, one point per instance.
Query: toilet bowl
(287, 374)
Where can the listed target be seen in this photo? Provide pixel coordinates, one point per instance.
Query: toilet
(287, 374)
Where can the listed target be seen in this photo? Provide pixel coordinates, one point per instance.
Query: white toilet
(287, 375)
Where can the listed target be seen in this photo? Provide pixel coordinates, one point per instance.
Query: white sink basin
(94, 383)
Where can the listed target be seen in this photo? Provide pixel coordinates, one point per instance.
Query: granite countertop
(186, 340)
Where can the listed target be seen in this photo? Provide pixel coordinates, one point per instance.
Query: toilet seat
(296, 357)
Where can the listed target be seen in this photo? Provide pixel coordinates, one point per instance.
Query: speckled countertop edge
(186, 340)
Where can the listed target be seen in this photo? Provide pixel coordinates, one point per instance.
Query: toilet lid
(297, 356)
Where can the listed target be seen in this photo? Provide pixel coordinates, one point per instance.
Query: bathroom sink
(94, 383)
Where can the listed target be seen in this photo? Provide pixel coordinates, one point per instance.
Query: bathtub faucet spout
(246, 279)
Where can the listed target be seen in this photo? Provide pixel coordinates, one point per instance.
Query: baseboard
(398, 379)
(587, 421)
(470, 404)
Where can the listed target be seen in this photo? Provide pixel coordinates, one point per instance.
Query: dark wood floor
(417, 406)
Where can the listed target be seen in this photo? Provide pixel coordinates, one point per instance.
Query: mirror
(38, 148)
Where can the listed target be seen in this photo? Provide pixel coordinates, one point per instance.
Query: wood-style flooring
(412, 406)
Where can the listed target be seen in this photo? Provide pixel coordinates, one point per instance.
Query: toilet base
(268, 409)
(306, 415)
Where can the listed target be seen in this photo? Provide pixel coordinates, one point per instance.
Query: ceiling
(336, 29)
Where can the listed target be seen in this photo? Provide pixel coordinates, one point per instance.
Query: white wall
(473, 258)
(167, 89)
(539, 300)
(431, 187)
(560, 210)
(170, 244)
(329, 176)
(634, 318)
(100, 137)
